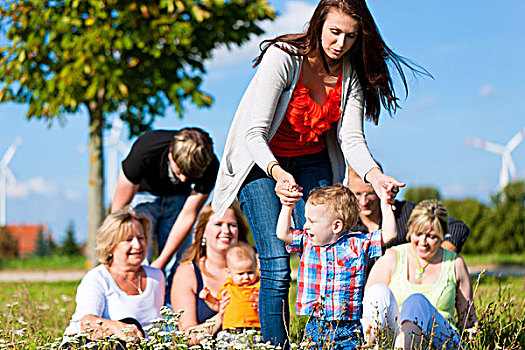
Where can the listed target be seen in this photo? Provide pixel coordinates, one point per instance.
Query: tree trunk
(96, 183)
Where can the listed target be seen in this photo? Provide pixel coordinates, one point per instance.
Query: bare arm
(124, 192)
(383, 269)
(101, 327)
(388, 227)
(181, 228)
(184, 297)
(464, 298)
(283, 224)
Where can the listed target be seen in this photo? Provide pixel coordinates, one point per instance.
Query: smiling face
(242, 271)
(425, 243)
(131, 251)
(220, 233)
(320, 225)
(339, 33)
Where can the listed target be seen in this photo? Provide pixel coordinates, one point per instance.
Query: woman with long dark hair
(299, 122)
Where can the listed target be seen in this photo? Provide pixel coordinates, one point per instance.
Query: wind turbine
(6, 176)
(114, 146)
(507, 165)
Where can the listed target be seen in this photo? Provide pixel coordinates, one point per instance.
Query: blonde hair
(115, 228)
(197, 251)
(192, 151)
(429, 214)
(339, 201)
(241, 251)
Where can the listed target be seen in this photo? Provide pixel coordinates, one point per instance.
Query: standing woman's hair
(369, 54)
(197, 250)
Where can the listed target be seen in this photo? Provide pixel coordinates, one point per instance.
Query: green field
(53, 262)
(37, 313)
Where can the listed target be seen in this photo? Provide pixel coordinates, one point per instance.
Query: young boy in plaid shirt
(332, 270)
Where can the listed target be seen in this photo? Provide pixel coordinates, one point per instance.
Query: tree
(8, 244)
(417, 194)
(42, 244)
(96, 55)
(507, 219)
(69, 245)
(475, 215)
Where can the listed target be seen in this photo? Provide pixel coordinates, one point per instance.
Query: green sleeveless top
(441, 294)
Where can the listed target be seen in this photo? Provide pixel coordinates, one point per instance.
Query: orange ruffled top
(305, 121)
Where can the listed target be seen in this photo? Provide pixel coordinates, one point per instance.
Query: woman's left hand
(384, 183)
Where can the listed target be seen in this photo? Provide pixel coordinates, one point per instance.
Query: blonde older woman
(120, 293)
(414, 288)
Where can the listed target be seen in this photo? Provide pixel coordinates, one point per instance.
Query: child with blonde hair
(331, 278)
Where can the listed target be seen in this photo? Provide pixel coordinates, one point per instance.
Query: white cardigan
(262, 110)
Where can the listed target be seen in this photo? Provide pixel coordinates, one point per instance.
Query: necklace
(420, 269)
(137, 287)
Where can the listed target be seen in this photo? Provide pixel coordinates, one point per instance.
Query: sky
(474, 50)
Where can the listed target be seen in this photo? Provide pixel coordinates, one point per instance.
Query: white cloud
(72, 195)
(17, 191)
(420, 106)
(486, 90)
(292, 20)
(36, 185)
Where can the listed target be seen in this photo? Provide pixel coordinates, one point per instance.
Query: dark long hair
(369, 55)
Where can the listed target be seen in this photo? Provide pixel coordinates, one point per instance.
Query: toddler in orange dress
(242, 286)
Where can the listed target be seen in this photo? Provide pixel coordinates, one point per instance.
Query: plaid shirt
(332, 277)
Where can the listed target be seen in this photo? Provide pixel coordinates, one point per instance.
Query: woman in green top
(414, 287)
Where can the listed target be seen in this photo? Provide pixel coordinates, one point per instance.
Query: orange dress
(305, 121)
(240, 312)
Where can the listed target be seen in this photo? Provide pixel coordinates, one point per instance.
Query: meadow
(34, 314)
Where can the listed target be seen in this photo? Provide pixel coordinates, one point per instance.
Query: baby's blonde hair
(339, 201)
(241, 251)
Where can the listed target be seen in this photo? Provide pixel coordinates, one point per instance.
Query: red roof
(27, 236)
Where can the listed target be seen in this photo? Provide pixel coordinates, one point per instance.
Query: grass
(496, 259)
(42, 309)
(37, 313)
(52, 262)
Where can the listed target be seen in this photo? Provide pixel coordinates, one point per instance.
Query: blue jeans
(162, 211)
(261, 206)
(337, 335)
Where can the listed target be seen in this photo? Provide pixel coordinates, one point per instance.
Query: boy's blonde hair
(339, 201)
(429, 213)
(241, 251)
(192, 151)
(115, 228)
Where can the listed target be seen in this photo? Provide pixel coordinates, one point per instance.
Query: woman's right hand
(101, 327)
(286, 188)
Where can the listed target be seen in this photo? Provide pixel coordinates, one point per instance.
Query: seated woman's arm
(383, 269)
(464, 299)
(101, 327)
(90, 304)
(184, 297)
